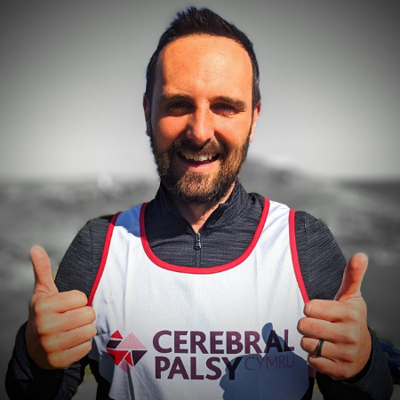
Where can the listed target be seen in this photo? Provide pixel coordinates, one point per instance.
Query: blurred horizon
(107, 178)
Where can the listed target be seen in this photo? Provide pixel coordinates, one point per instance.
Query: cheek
(168, 130)
(234, 134)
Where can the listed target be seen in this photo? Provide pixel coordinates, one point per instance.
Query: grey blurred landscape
(363, 216)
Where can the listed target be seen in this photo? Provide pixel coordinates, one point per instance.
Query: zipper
(197, 250)
(197, 245)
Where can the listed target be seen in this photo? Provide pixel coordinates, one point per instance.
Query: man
(200, 293)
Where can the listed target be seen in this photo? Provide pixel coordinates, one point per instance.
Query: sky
(72, 77)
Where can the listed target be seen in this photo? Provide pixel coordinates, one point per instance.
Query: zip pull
(197, 245)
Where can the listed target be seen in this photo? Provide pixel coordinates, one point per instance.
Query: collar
(224, 214)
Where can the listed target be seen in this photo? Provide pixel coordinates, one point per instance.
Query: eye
(179, 108)
(224, 109)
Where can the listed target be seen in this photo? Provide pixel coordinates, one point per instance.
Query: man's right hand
(60, 325)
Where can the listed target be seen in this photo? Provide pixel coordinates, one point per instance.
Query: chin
(197, 189)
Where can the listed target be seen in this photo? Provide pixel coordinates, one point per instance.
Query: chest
(225, 331)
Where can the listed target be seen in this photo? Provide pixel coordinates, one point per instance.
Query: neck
(197, 214)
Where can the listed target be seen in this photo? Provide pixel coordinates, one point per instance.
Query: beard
(199, 188)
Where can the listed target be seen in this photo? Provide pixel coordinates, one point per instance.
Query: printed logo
(125, 352)
(182, 351)
(198, 355)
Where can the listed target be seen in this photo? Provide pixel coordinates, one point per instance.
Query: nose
(200, 126)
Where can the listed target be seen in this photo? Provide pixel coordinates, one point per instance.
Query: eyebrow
(237, 103)
(165, 97)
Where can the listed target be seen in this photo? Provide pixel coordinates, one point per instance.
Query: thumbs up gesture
(60, 325)
(335, 333)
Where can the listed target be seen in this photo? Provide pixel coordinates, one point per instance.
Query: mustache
(211, 148)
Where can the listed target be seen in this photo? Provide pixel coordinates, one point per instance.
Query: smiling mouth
(194, 158)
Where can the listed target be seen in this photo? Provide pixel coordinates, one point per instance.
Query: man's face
(201, 118)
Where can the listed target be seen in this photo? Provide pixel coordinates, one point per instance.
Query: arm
(323, 265)
(25, 380)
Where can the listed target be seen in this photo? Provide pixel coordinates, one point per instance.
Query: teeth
(196, 157)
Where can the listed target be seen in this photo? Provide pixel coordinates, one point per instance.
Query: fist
(341, 324)
(60, 325)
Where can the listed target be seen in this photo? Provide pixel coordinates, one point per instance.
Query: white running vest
(225, 332)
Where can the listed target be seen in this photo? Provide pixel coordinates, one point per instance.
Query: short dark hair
(192, 21)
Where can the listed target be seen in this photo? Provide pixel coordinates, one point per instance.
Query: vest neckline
(208, 270)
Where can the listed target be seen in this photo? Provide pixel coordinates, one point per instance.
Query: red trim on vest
(295, 257)
(209, 270)
(103, 258)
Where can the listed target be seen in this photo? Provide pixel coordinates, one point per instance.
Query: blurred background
(73, 143)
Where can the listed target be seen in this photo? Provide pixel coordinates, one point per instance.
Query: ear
(256, 114)
(147, 114)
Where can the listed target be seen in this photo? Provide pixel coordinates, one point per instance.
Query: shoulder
(78, 268)
(321, 261)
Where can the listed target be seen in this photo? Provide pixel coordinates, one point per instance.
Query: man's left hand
(342, 324)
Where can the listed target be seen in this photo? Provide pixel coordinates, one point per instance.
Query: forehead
(204, 62)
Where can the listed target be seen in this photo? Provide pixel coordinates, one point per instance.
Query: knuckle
(307, 308)
(81, 297)
(81, 316)
(301, 325)
(303, 344)
(350, 355)
(45, 324)
(82, 350)
(79, 336)
(92, 331)
(48, 343)
(343, 372)
(313, 362)
(349, 336)
(311, 307)
(52, 359)
(87, 347)
(41, 306)
(90, 313)
(41, 330)
(57, 360)
(353, 336)
(85, 333)
(353, 314)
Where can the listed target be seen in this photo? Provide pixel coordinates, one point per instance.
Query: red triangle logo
(116, 335)
(118, 355)
(128, 359)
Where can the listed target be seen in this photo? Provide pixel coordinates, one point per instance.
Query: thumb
(44, 282)
(352, 277)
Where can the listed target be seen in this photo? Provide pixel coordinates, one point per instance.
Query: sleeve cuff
(374, 375)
